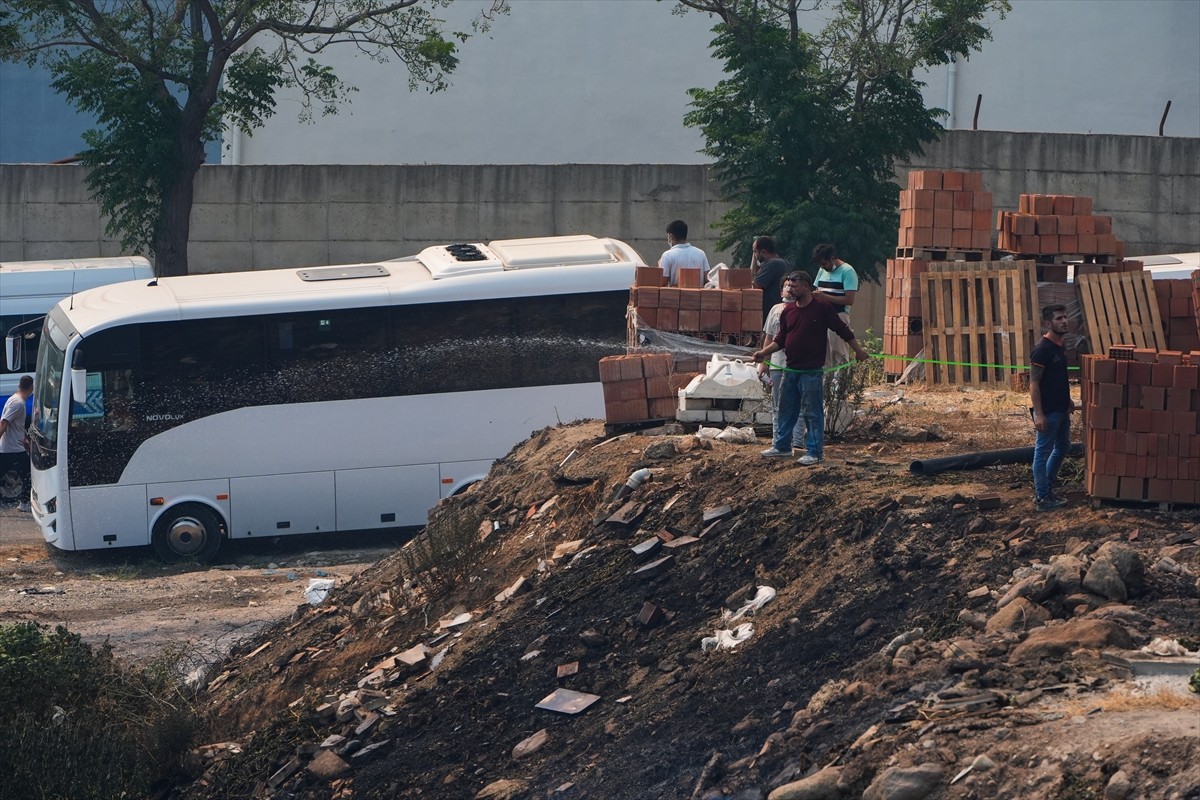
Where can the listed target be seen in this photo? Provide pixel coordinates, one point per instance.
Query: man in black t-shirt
(768, 271)
(1052, 407)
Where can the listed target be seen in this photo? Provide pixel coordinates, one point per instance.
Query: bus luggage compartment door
(278, 505)
(117, 512)
(385, 497)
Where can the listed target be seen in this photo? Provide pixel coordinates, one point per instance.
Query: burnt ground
(1036, 695)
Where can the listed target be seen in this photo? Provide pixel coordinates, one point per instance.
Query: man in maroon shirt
(803, 336)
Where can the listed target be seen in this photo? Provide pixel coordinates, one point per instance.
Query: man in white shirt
(14, 444)
(681, 255)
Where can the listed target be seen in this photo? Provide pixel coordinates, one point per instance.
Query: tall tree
(806, 130)
(164, 77)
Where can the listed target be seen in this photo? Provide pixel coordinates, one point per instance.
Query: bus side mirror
(13, 352)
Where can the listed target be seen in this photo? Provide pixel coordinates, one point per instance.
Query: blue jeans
(1049, 450)
(801, 399)
(798, 430)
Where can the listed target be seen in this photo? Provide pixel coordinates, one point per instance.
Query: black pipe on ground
(984, 458)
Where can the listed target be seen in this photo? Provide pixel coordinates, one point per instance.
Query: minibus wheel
(188, 532)
(10, 485)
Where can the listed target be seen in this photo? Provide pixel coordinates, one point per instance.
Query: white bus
(28, 289)
(313, 400)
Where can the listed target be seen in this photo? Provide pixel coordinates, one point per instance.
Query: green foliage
(805, 131)
(1194, 682)
(163, 78)
(79, 724)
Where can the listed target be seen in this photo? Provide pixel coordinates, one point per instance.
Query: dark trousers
(19, 463)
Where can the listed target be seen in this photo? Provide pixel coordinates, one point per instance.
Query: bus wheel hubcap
(187, 536)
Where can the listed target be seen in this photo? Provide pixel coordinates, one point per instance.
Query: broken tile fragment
(654, 568)
(567, 670)
(650, 615)
(529, 746)
(720, 512)
(567, 701)
(647, 548)
(682, 541)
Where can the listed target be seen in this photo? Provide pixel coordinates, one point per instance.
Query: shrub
(81, 724)
(447, 550)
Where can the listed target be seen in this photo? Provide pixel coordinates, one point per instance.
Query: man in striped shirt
(838, 282)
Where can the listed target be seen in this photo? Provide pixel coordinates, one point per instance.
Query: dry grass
(1134, 698)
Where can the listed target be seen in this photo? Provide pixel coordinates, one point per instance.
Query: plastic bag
(318, 589)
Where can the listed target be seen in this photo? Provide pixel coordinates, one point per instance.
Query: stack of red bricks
(733, 308)
(942, 210)
(1057, 225)
(1177, 310)
(639, 387)
(1142, 425)
(1196, 297)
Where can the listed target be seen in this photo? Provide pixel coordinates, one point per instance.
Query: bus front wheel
(10, 485)
(188, 532)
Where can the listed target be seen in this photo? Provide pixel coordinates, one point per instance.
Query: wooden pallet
(982, 313)
(1067, 259)
(1120, 308)
(943, 254)
(1196, 297)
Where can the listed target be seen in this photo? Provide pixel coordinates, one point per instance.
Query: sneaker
(1049, 503)
(773, 453)
(808, 460)
(22, 506)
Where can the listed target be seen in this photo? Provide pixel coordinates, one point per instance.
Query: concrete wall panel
(62, 222)
(274, 255)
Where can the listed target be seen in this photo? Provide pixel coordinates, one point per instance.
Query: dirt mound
(887, 661)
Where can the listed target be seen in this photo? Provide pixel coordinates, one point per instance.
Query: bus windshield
(48, 387)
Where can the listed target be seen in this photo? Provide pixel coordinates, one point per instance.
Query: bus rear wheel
(188, 532)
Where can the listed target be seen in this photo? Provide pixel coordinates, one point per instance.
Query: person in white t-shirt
(681, 255)
(773, 368)
(14, 443)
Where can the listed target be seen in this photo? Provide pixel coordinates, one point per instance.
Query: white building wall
(605, 82)
(1082, 66)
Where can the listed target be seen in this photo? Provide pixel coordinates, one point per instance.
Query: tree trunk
(175, 204)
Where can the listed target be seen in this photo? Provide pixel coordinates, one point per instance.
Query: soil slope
(918, 644)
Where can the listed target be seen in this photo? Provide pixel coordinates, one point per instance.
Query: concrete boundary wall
(266, 217)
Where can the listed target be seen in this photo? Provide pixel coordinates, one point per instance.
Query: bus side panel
(457, 474)
(208, 493)
(385, 497)
(120, 511)
(278, 505)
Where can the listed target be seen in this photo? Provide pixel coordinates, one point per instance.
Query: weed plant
(83, 725)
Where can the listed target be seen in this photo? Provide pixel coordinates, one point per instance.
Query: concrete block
(62, 222)
(222, 222)
(1185, 197)
(290, 183)
(516, 219)
(295, 222)
(360, 252)
(12, 251)
(440, 183)
(12, 222)
(502, 184)
(649, 219)
(12, 186)
(441, 222)
(225, 185)
(366, 183)
(220, 256)
(599, 219)
(55, 183)
(274, 255)
(365, 222)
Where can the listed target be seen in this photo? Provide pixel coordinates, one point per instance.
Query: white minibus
(290, 401)
(28, 289)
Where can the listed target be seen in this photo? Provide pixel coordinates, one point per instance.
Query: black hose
(984, 458)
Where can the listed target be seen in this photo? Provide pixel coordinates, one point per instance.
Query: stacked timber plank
(1121, 308)
(980, 320)
(1142, 425)
(1177, 310)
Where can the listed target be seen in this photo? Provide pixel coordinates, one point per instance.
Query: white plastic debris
(318, 589)
(727, 639)
(764, 595)
(1162, 646)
